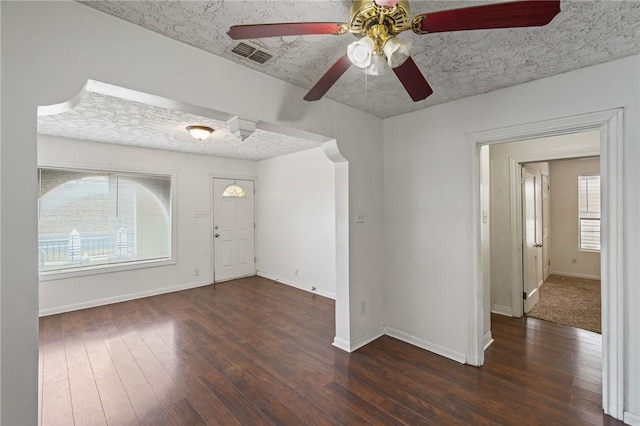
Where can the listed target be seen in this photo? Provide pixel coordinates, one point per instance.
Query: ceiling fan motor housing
(380, 22)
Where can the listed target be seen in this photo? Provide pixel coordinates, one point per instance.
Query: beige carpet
(570, 301)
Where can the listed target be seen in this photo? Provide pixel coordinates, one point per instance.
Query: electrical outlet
(362, 308)
(296, 272)
(196, 272)
(574, 260)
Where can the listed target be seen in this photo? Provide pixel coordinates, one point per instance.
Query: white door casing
(610, 125)
(530, 246)
(546, 188)
(233, 229)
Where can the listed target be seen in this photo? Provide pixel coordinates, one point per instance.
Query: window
(91, 220)
(234, 191)
(589, 212)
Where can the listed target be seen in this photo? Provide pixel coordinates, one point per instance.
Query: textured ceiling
(97, 116)
(457, 65)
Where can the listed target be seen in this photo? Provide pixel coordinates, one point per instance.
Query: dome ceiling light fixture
(376, 23)
(200, 132)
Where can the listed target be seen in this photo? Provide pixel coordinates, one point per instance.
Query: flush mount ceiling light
(200, 132)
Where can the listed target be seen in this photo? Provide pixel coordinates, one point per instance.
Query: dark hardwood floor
(253, 351)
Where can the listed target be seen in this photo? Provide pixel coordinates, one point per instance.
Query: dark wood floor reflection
(254, 352)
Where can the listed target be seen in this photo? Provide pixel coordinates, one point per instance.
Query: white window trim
(580, 249)
(125, 266)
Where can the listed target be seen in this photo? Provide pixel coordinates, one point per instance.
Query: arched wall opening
(78, 154)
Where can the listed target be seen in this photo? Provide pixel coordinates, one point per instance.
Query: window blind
(589, 212)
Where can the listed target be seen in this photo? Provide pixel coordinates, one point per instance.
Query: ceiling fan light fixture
(397, 51)
(200, 132)
(360, 52)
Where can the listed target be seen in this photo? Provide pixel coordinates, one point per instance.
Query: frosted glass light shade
(360, 52)
(377, 65)
(200, 132)
(397, 51)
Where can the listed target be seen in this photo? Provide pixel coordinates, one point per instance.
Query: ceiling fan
(378, 22)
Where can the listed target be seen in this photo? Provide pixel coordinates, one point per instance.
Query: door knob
(216, 235)
(538, 245)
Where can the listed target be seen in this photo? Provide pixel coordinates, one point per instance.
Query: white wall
(427, 174)
(49, 50)
(295, 204)
(502, 273)
(193, 235)
(564, 219)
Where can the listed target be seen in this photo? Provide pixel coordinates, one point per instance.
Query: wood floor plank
(253, 351)
(100, 359)
(87, 407)
(126, 366)
(241, 407)
(182, 413)
(56, 403)
(161, 382)
(145, 402)
(208, 406)
(115, 401)
(54, 362)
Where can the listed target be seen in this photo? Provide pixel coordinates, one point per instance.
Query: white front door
(531, 247)
(233, 229)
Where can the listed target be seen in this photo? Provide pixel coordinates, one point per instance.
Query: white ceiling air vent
(251, 51)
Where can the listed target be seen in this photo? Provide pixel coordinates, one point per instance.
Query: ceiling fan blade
(240, 32)
(413, 81)
(328, 79)
(524, 13)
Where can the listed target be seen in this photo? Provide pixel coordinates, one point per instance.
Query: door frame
(212, 197)
(546, 218)
(610, 125)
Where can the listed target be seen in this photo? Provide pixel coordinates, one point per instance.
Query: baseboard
(431, 347)
(299, 286)
(502, 310)
(571, 274)
(341, 344)
(487, 340)
(121, 298)
(366, 339)
(631, 419)
(357, 343)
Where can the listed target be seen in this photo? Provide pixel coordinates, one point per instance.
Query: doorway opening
(608, 124)
(560, 201)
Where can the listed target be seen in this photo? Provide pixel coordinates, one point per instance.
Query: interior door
(530, 246)
(545, 227)
(233, 229)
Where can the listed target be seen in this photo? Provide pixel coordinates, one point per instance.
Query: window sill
(104, 269)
